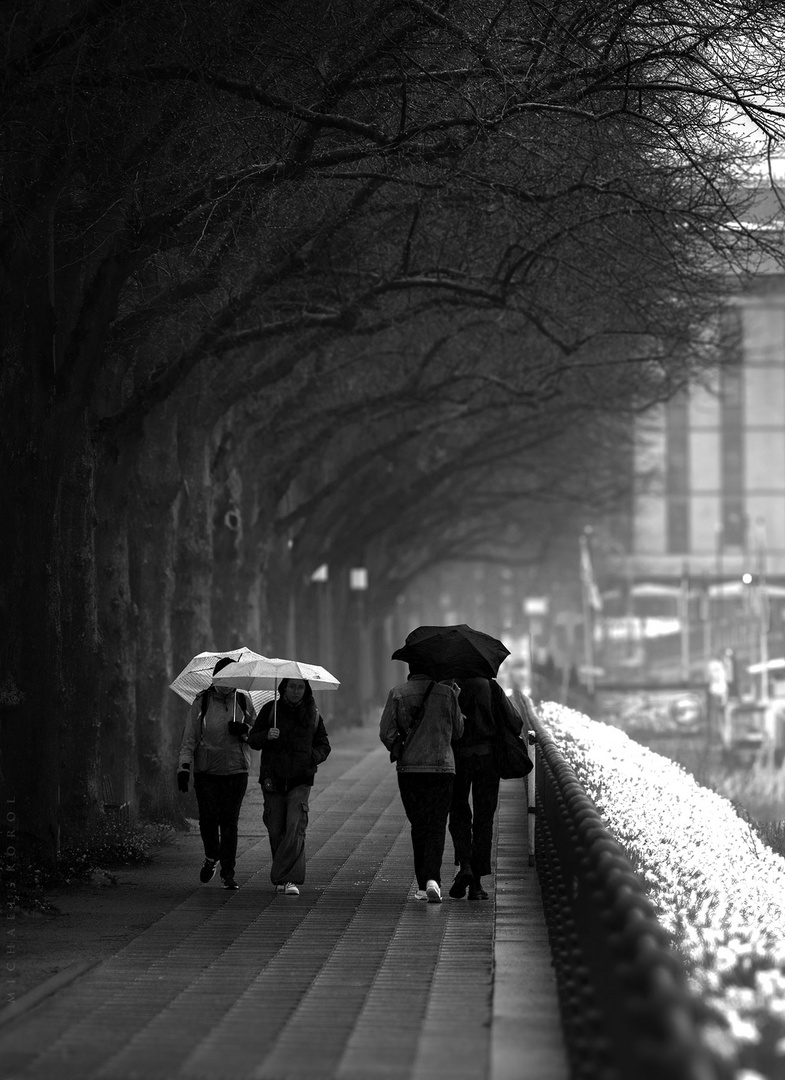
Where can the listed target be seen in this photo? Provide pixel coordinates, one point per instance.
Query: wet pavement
(353, 979)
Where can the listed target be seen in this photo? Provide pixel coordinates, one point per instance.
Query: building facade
(704, 569)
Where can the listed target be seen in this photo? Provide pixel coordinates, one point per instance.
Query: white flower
(714, 885)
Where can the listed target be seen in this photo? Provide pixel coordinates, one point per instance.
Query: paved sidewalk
(352, 980)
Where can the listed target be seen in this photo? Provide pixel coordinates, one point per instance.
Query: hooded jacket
(206, 740)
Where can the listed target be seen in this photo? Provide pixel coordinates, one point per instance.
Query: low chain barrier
(626, 1009)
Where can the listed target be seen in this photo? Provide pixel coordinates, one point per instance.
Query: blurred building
(693, 571)
(703, 568)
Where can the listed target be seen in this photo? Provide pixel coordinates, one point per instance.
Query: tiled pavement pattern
(352, 980)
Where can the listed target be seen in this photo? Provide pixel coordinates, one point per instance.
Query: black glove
(182, 778)
(238, 728)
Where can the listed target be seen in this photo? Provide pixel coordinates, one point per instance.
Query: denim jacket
(429, 748)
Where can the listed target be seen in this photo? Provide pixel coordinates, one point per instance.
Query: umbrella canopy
(453, 652)
(197, 675)
(265, 673)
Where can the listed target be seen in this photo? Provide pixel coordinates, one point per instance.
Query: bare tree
(210, 212)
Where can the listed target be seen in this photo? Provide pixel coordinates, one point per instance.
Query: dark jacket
(302, 746)
(485, 708)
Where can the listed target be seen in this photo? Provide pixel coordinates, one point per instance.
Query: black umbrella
(452, 652)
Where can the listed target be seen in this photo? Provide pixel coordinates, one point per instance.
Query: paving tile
(352, 980)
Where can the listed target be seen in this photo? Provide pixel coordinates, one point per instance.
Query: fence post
(531, 786)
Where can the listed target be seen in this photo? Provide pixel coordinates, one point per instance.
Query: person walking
(420, 722)
(215, 741)
(486, 709)
(292, 738)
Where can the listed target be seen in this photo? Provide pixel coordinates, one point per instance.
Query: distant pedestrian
(294, 743)
(420, 722)
(486, 709)
(215, 741)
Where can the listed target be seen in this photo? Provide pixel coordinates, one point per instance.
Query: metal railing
(626, 1009)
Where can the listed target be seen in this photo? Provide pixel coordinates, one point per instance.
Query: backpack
(242, 701)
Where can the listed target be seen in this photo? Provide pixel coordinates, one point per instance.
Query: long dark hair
(307, 696)
(306, 710)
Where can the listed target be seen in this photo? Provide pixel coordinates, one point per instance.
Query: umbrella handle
(275, 704)
(234, 707)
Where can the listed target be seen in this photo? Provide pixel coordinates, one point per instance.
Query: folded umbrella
(452, 652)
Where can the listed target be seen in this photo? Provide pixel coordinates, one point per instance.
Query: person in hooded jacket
(292, 738)
(215, 740)
(420, 722)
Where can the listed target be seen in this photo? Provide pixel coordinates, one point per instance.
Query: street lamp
(358, 584)
(324, 619)
(591, 603)
(358, 579)
(536, 610)
(719, 537)
(763, 607)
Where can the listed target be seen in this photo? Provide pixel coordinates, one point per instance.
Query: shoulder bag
(512, 758)
(511, 752)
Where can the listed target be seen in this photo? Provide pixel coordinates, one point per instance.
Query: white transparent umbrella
(265, 673)
(197, 675)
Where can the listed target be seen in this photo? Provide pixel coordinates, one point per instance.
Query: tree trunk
(228, 609)
(155, 495)
(77, 624)
(48, 630)
(192, 601)
(119, 630)
(51, 695)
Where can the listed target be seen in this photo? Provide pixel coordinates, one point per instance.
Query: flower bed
(716, 886)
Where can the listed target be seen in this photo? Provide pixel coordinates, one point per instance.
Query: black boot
(463, 879)
(476, 891)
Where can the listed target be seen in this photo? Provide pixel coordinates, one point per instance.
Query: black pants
(219, 799)
(471, 825)
(426, 800)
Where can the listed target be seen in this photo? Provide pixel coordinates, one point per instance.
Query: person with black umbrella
(486, 710)
(471, 658)
(420, 722)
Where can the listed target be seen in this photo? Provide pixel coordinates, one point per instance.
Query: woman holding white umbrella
(291, 735)
(214, 739)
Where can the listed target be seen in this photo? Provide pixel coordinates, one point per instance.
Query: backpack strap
(205, 696)
(242, 701)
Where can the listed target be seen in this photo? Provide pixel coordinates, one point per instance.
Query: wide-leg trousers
(286, 818)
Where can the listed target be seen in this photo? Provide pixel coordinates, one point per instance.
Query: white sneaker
(433, 893)
(291, 889)
(420, 894)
